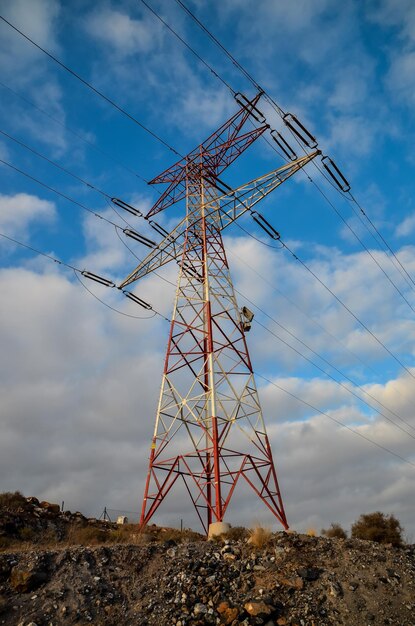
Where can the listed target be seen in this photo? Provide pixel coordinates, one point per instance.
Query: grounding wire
(281, 113)
(334, 419)
(89, 85)
(192, 50)
(76, 134)
(92, 88)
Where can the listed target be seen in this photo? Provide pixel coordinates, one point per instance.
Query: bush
(12, 500)
(378, 527)
(237, 533)
(260, 537)
(335, 531)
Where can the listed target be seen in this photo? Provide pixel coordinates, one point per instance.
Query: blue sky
(79, 381)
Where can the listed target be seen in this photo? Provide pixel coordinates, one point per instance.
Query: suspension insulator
(300, 130)
(334, 172)
(126, 207)
(283, 145)
(98, 279)
(159, 229)
(128, 232)
(137, 300)
(265, 225)
(249, 107)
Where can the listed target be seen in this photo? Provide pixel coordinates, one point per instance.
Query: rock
(228, 614)
(52, 508)
(199, 609)
(336, 589)
(309, 573)
(258, 608)
(26, 580)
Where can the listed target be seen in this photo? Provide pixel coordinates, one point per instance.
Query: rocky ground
(165, 577)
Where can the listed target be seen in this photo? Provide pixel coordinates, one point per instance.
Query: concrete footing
(218, 528)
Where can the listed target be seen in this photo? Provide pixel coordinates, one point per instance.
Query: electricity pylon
(209, 428)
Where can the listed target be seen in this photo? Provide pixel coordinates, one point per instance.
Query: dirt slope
(294, 580)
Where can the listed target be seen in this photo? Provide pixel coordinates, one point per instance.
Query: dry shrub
(260, 537)
(311, 532)
(335, 531)
(237, 533)
(12, 500)
(378, 527)
(85, 535)
(27, 534)
(5, 543)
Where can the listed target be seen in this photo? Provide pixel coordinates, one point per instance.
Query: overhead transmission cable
(51, 162)
(330, 417)
(91, 144)
(89, 85)
(192, 50)
(334, 419)
(93, 88)
(337, 382)
(340, 301)
(59, 193)
(282, 113)
(294, 304)
(94, 277)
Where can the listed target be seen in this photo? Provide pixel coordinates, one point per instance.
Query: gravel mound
(293, 580)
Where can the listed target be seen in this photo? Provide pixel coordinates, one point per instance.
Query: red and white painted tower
(209, 429)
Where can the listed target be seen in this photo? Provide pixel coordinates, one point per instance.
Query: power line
(76, 134)
(51, 162)
(137, 317)
(348, 310)
(59, 193)
(294, 304)
(291, 334)
(92, 88)
(346, 223)
(281, 114)
(192, 50)
(78, 272)
(339, 422)
(342, 385)
(330, 417)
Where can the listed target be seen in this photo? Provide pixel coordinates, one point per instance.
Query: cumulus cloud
(80, 388)
(20, 211)
(124, 34)
(27, 70)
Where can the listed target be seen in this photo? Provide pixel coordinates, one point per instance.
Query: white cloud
(406, 227)
(125, 35)
(401, 77)
(20, 211)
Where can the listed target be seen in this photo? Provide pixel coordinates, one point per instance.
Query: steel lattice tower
(209, 428)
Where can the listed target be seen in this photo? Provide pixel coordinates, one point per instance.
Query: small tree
(378, 527)
(12, 500)
(335, 530)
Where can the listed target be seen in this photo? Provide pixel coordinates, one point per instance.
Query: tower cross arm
(228, 207)
(245, 197)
